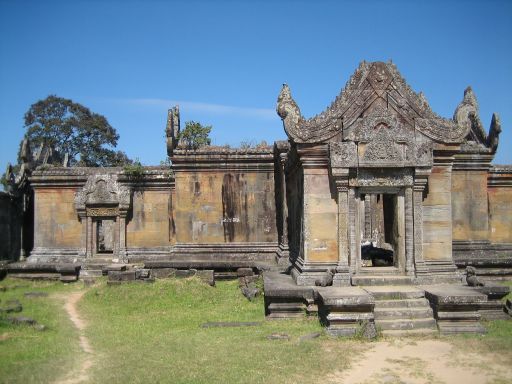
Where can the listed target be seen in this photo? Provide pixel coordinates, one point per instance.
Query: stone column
(353, 240)
(342, 276)
(83, 241)
(420, 182)
(90, 244)
(320, 214)
(367, 217)
(409, 232)
(283, 244)
(122, 238)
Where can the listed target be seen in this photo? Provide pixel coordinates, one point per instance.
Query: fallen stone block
(163, 273)
(142, 274)
(184, 273)
(121, 275)
(36, 294)
(250, 292)
(207, 276)
(368, 330)
(244, 272)
(229, 324)
(278, 336)
(12, 306)
(20, 320)
(508, 307)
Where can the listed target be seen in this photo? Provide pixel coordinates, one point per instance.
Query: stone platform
(395, 310)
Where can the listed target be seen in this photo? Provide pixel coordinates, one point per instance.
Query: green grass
(153, 333)
(28, 355)
(497, 340)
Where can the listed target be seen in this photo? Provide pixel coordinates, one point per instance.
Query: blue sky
(224, 62)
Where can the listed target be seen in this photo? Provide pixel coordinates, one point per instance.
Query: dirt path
(423, 362)
(80, 374)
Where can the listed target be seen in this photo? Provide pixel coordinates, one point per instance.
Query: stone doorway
(104, 236)
(381, 217)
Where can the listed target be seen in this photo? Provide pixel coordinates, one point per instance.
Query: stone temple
(375, 199)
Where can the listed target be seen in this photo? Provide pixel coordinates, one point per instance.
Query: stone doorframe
(350, 181)
(103, 198)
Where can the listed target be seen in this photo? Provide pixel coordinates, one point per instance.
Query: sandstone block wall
(56, 222)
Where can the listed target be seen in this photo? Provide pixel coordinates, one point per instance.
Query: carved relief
(380, 178)
(343, 155)
(102, 190)
(102, 211)
(370, 82)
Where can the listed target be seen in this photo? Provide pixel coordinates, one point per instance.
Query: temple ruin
(375, 191)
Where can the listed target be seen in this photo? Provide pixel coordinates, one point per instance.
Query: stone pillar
(320, 213)
(90, 242)
(420, 182)
(437, 217)
(284, 252)
(368, 208)
(409, 231)
(83, 241)
(342, 276)
(122, 238)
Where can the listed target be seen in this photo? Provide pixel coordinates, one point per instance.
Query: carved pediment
(372, 83)
(102, 190)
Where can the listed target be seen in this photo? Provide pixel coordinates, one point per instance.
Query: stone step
(402, 303)
(402, 313)
(405, 324)
(409, 332)
(371, 280)
(395, 292)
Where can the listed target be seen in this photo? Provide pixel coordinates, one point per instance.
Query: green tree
(69, 127)
(194, 135)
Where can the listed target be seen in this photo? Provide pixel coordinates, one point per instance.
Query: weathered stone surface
(184, 273)
(207, 276)
(456, 308)
(12, 306)
(250, 292)
(20, 320)
(142, 274)
(343, 309)
(162, 273)
(242, 272)
(121, 276)
(278, 336)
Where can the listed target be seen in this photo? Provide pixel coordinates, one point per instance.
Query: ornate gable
(102, 190)
(376, 93)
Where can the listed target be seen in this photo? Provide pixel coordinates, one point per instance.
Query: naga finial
(173, 128)
(288, 110)
(494, 133)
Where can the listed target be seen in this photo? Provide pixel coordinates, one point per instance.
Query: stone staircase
(402, 310)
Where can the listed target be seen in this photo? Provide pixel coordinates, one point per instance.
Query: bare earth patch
(422, 362)
(79, 375)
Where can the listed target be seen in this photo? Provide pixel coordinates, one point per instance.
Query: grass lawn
(28, 355)
(152, 333)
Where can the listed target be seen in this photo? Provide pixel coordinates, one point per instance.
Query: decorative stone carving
(102, 190)
(370, 82)
(343, 154)
(382, 178)
(102, 211)
(172, 129)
